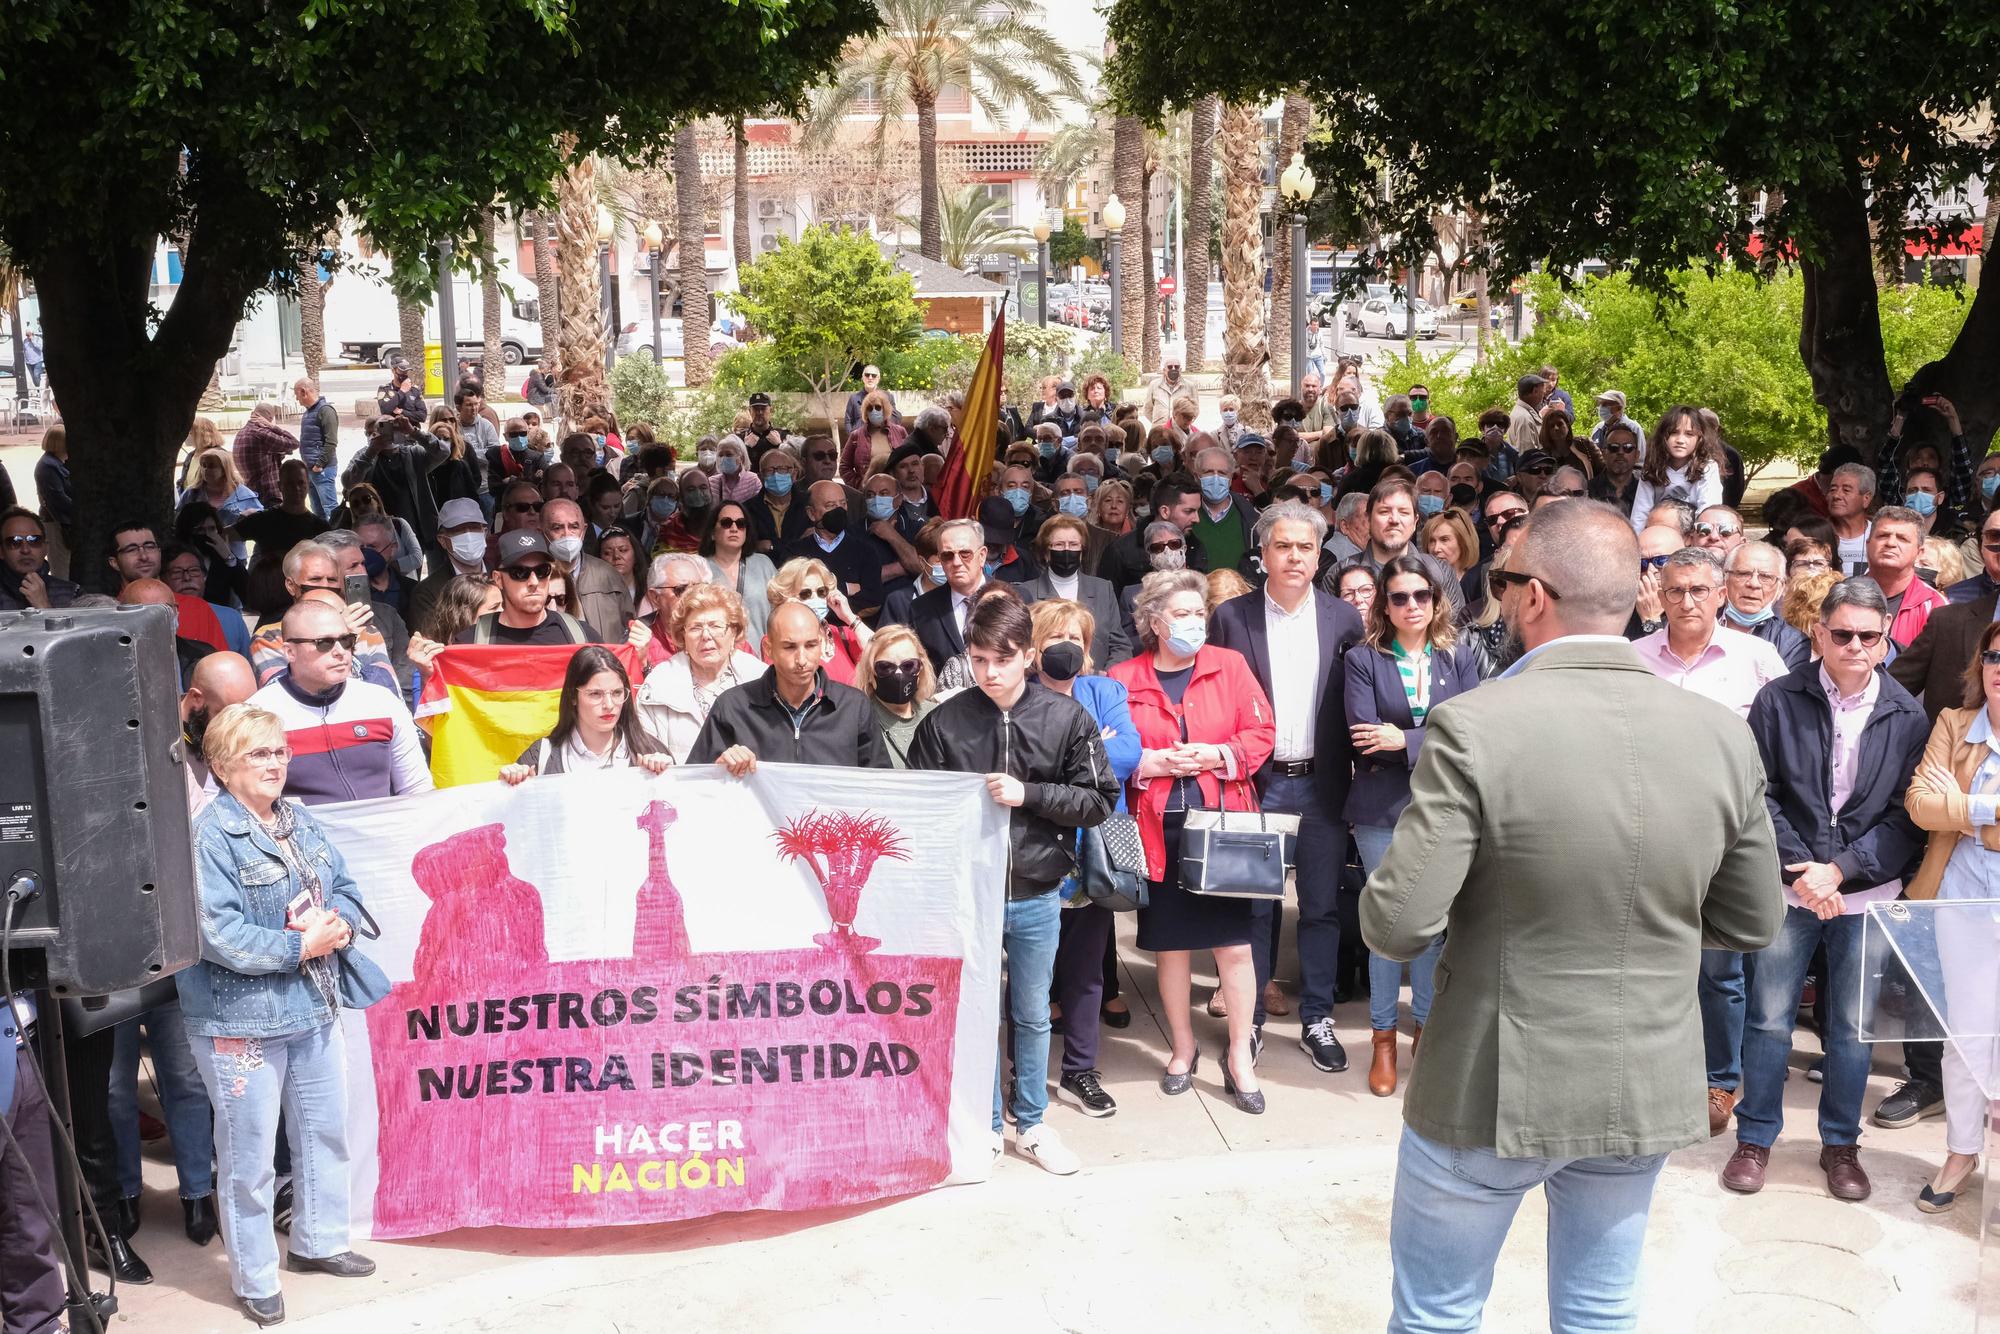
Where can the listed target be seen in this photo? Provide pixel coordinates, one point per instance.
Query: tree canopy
(1653, 135)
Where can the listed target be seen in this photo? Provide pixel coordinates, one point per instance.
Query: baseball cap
(520, 544)
(1536, 458)
(457, 513)
(1614, 398)
(1065, 390)
(996, 516)
(1251, 440)
(760, 399)
(1528, 384)
(1472, 444)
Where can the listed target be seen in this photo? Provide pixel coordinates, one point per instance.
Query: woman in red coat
(1205, 727)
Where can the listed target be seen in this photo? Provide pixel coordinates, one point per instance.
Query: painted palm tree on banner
(994, 51)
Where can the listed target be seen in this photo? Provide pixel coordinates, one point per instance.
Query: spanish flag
(968, 465)
(483, 704)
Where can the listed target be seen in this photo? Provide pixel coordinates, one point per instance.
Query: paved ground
(1188, 1215)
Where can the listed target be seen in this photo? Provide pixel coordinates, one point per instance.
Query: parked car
(1349, 311)
(635, 340)
(1382, 318)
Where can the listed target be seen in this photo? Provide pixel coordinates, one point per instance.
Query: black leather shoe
(264, 1310)
(281, 1208)
(1115, 1018)
(123, 1261)
(127, 1221)
(344, 1265)
(200, 1217)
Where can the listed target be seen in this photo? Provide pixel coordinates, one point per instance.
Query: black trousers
(32, 1291)
(89, 1063)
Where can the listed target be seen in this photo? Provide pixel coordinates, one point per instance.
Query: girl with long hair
(596, 727)
(1683, 462)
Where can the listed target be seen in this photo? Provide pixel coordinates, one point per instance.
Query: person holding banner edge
(1043, 758)
(792, 713)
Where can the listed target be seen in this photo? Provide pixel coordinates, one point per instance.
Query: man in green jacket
(1564, 1045)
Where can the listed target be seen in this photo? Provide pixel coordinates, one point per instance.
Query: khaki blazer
(1581, 830)
(1945, 814)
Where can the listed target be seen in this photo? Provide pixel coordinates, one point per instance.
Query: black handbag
(361, 981)
(1238, 854)
(1111, 864)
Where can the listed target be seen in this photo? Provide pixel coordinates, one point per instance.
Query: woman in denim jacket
(262, 1008)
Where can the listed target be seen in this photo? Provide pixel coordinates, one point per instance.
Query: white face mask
(468, 548)
(566, 549)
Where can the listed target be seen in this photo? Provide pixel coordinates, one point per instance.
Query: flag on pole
(968, 464)
(485, 704)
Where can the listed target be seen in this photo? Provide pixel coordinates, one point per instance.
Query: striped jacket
(353, 742)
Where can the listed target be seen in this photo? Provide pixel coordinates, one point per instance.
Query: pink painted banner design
(513, 1090)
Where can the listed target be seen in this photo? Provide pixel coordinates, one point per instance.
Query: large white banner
(623, 998)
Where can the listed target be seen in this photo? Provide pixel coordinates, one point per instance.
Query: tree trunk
(580, 367)
(691, 227)
(1292, 127)
(1475, 242)
(492, 362)
(1149, 346)
(312, 315)
(1199, 232)
(1840, 334)
(1128, 176)
(410, 332)
(740, 188)
(930, 218)
(1969, 374)
(548, 297)
(1245, 357)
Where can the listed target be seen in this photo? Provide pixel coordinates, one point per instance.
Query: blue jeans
(1453, 1210)
(1029, 940)
(249, 1080)
(324, 496)
(1322, 853)
(183, 1101)
(1385, 976)
(1775, 986)
(1721, 988)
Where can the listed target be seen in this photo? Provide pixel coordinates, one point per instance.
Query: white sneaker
(1045, 1149)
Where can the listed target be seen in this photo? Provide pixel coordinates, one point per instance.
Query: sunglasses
(27, 540)
(1989, 542)
(675, 589)
(1651, 563)
(1991, 657)
(325, 643)
(812, 591)
(1498, 580)
(1577, 494)
(1503, 518)
(522, 574)
(1870, 638)
(1716, 530)
(908, 668)
(525, 507)
(828, 457)
(1157, 547)
(1620, 449)
(1415, 597)
(1540, 470)
(732, 523)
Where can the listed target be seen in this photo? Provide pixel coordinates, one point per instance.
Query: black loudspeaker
(93, 797)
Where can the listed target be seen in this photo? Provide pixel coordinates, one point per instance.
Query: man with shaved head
(792, 714)
(153, 593)
(1578, 1066)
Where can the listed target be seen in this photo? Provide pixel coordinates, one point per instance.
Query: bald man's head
(1586, 553)
(1657, 541)
(147, 593)
(219, 680)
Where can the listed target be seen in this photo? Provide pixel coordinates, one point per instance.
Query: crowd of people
(1147, 614)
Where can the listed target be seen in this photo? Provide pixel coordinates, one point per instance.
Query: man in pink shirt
(1895, 544)
(1839, 741)
(1727, 668)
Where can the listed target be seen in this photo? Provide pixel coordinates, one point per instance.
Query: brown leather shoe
(1721, 1102)
(1844, 1177)
(1744, 1172)
(1274, 999)
(1382, 1068)
(1416, 1036)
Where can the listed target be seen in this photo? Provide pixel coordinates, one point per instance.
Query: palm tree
(581, 360)
(312, 314)
(492, 362)
(409, 318)
(547, 298)
(691, 229)
(740, 189)
(1200, 228)
(1128, 181)
(990, 49)
(1292, 126)
(972, 232)
(1245, 358)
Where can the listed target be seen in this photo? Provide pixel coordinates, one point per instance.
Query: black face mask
(834, 522)
(1061, 661)
(1463, 494)
(1065, 563)
(896, 683)
(194, 729)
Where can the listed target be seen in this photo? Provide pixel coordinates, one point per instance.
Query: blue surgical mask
(1073, 505)
(1214, 489)
(1745, 619)
(1326, 493)
(991, 566)
(1989, 484)
(1048, 448)
(937, 573)
(662, 508)
(1229, 416)
(1017, 497)
(1923, 502)
(1606, 413)
(818, 606)
(1164, 455)
(1068, 443)
(779, 484)
(881, 507)
(1298, 463)
(1429, 505)
(728, 464)
(519, 443)
(1090, 483)
(1186, 636)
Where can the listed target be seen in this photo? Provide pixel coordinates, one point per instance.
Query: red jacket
(1223, 705)
(1919, 600)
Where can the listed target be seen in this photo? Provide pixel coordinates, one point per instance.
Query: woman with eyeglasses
(1955, 794)
(597, 725)
(811, 582)
(1410, 662)
(896, 676)
(262, 1008)
(708, 623)
(778, 512)
(1354, 584)
(732, 564)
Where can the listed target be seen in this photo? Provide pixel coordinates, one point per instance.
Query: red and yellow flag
(484, 704)
(968, 465)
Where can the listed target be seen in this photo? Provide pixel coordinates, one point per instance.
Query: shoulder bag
(1111, 864)
(362, 982)
(1238, 854)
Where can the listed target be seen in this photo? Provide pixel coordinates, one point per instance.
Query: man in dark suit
(1177, 499)
(1293, 635)
(1060, 543)
(938, 616)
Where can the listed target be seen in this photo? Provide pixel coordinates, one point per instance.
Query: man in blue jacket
(1839, 741)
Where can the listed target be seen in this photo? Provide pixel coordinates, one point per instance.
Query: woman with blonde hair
(870, 444)
(1111, 508)
(219, 485)
(1942, 555)
(1803, 594)
(708, 623)
(1449, 537)
(896, 675)
(735, 480)
(1224, 585)
(802, 579)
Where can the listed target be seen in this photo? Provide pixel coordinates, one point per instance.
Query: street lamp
(606, 224)
(1114, 223)
(1041, 230)
(1295, 187)
(649, 241)
(447, 324)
